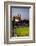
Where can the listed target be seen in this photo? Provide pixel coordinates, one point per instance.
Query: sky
(23, 11)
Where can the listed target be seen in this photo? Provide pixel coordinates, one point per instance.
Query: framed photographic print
(19, 23)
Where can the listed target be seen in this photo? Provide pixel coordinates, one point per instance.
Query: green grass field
(22, 31)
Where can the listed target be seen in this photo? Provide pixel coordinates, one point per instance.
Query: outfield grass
(22, 31)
